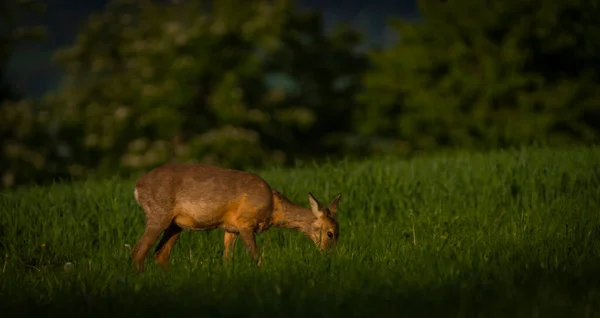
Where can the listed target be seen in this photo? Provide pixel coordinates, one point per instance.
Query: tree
(237, 84)
(18, 122)
(485, 75)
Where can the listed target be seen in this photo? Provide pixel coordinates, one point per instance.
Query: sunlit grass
(506, 234)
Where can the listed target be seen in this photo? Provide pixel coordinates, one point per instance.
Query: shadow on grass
(534, 292)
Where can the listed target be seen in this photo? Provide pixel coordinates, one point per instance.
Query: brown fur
(175, 197)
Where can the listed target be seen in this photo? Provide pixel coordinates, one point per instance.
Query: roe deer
(175, 197)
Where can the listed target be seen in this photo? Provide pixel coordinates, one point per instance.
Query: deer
(196, 196)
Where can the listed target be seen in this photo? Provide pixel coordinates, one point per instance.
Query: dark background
(117, 88)
(33, 74)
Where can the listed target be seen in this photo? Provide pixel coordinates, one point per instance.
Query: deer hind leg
(143, 246)
(229, 239)
(155, 224)
(164, 247)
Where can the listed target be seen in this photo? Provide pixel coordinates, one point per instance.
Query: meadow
(500, 234)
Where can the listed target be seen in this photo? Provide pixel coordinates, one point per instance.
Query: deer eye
(330, 234)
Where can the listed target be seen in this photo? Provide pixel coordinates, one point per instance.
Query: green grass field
(505, 234)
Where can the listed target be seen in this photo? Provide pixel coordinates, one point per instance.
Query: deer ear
(334, 204)
(315, 206)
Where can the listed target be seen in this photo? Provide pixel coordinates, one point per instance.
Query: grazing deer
(175, 197)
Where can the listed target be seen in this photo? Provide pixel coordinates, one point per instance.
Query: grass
(504, 234)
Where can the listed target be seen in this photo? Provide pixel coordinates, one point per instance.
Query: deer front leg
(250, 243)
(229, 243)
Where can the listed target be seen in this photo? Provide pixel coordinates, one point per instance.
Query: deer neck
(289, 215)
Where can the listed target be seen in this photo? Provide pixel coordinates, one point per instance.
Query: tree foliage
(19, 128)
(482, 75)
(237, 84)
(251, 83)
